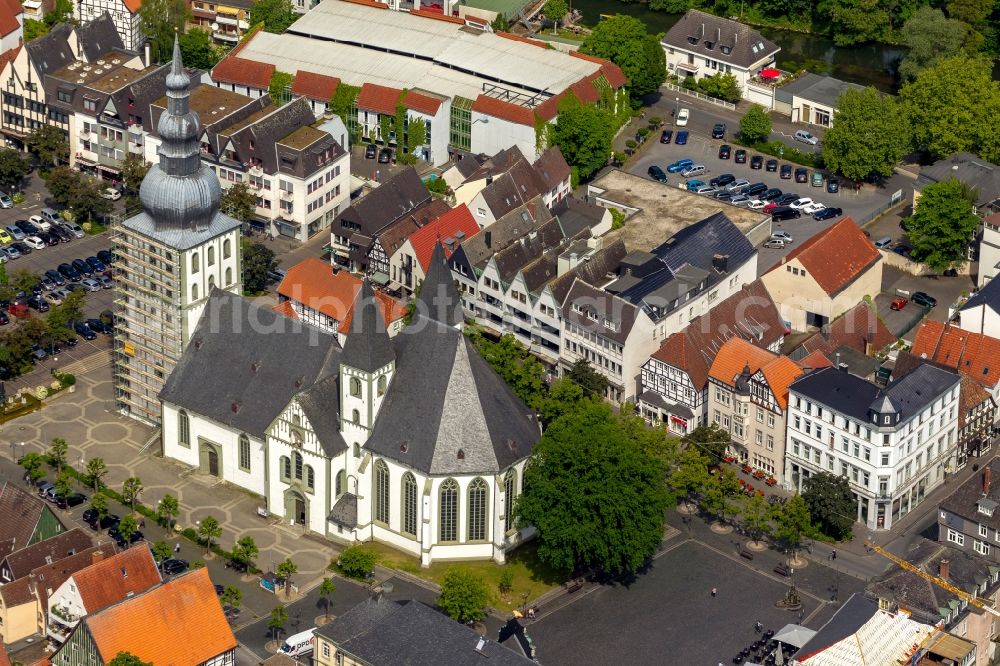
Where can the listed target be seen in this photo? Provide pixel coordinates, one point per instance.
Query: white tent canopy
(794, 634)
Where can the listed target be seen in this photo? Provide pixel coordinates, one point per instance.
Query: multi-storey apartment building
(894, 444)
(226, 21)
(968, 518)
(748, 397)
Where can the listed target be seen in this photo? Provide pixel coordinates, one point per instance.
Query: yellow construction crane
(985, 604)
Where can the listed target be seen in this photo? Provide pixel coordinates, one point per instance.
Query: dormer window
(986, 506)
(692, 40)
(709, 45)
(726, 50)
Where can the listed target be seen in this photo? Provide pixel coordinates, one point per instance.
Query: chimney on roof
(721, 262)
(987, 474)
(459, 236)
(842, 366)
(943, 570)
(489, 180)
(450, 244)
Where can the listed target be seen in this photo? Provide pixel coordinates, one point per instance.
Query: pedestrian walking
(177, 547)
(833, 554)
(142, 523)
(714, 592)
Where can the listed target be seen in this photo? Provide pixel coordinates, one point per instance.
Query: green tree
(99, 503)
(870, 134)
(161, 551)
(356, 562)
(624, 41)
(245, 551)
(756, 515)
(563, 396)
(717, 497)
(500, 24)
(161, 21)
(583, 375)
(276, 623)
(64, 184)
(168, 509)
(131, 488)
(831, 503)
(943, 224)
(258, 261)
(58, 450)
(125, 658)
(278, 87)
(34, 466)
(755, 125)
(14, 166)
(285, 570)
(134, 168)
(49, 144)
(930, 37)
(276, 15)
(555, 11)
(62, 13)
(583, 133)
(89, 205)
(595, 496)
(60, 316)
(711, 440)
(691, 475)
(855, 21)
(326, 590)
(792, 522)
(239, 202)
(721, 85)
(24, 279)
(209, 529)
(128, 527)
(34, 29)
(63, 484)
(971, 12)
(505, 582)
(463, 595)
(343, 100)
(231, 596)
(197, 49)
(951, 114)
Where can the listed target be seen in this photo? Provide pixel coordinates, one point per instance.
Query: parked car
(682, 117)
(385, 155)
(120, 538)
(771, 194)
(740, 157)
(786, 198)
(34, 242)
(82, 267)
(679, 165)
(813, 208)
(27, 227)
(799, 204)
(902, 250)
(57, 295)
(806, 137)
(755, 189)
(15, 232)
(769, 206)
(84, 331)
(91, 517)
(100, 326)
(40, 222)
(682, 138)
(827, 213)
(718, 130)
(656, 173)
(771, 165)
(784, 213)
(106, 282)
(11, 252)
(738, 185)
(5, 237)
(694, 170)
(774, 244)
(722, 179)
(56, 278)
(723, 195)
(370, 151)
(802, 175)
(5, 201)
(898, 303)
(782, 236)
(69, 272)
(18, 309)
(832, 186)
(49, 238)
(111, 194)
(706, 189)
(817, 179)
(38, 303)
(666, 136)
(756, 204)
(740, 200)
(71, 500)
(106, 257)
(91, 284)
(756, 162)
(725, 150)
(61, 232)
(786, 171)
(694, 185)
(74, 229)
(174, 566)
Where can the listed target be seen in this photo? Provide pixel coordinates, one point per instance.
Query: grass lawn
(530, 574)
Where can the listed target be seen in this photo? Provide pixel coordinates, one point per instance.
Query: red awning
(770, 73)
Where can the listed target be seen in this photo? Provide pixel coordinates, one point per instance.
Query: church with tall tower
(170, 257)
(412, 441)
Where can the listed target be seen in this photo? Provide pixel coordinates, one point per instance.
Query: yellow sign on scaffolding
(129, 348)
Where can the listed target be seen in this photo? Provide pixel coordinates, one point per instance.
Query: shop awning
(380, 278)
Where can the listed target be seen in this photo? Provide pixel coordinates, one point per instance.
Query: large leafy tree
(239, 202)
(463, 595)
(14, 166)
(95, 471)
(691, 475)
(831, 504)
(258, 259)
(160, 20)
(756, 514)
(276, 15)
(972, 12)
(133, 170)
(591, 381)
(197, 49)
(126, 658)
(755, 125)
(596, 497)
(583, 133)
(49, 144)
(855, 21)
(930, 36)
(624, 41)
(722, 85)
(555, 10)
(870, 133)
(791, 521)
(952, 107)
(943, 224)
(58, 319)
(712, 440)
(719, 494)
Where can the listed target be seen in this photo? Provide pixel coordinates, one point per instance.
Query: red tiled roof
(178, 622)
(313, 283)
(856, 328)
(314, 86)
(815, 360)
(504, 110)
(133, 5)
(585, 90)
(527, 40)
(423, 240)
(9, 10)
(4, 658)
(971, 394)
(422, 103)
(735, 355)
(285, 308)
(835, 257)
(780, 373)
(972, 354)
(8, 56)
(369, 3)
(612, 72)
(116, 578)
(378, 98)
(436, 16)
(244, 72)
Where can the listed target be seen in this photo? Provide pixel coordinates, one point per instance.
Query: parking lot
(703, 150)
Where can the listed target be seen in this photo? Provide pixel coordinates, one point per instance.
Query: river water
(867, 65)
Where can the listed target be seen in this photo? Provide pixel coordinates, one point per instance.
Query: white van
(298, 644)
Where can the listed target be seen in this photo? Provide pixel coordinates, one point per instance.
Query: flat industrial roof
(663, 210)
(362, 44)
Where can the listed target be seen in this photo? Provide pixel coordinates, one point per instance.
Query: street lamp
(677, 106)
